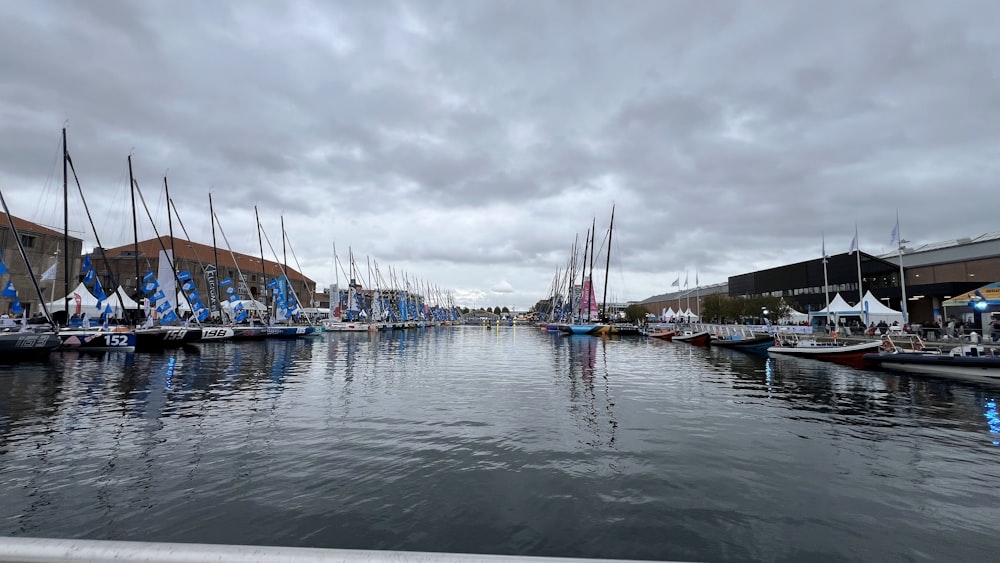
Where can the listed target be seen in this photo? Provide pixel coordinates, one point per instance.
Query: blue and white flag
(185, 275)
(894, 237)
(148, 275)
(3, 267)
(87, 266)
(163, 307)
(89, 277)
(159, 295)
(225, 282)
(188, 285)
(169, 317)
(150, 287)
(16, 307)
(99, 292)
(9, 290)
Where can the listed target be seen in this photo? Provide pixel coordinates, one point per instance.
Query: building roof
(25, 226)
(702, 291)
(953, 250)
(193, 251)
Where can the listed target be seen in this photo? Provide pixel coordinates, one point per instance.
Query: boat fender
(917, 347)
(887, 346)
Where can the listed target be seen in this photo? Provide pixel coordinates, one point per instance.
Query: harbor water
(504, 441)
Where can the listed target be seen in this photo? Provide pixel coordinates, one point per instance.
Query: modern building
(933, 273)
(44, 247)
(122, 265)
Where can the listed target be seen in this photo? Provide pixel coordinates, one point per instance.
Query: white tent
(80, 301)
(877, 311)
(127, 302)
(688, 315)
(248, 305)
(837, 307)
(669, 314)
(794, 316)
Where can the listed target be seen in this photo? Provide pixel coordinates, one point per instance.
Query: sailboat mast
(65, 227)
(263, 274)
(215, 290)
(584, 299)
(593, 242)
(135, 226)
(607, 267)
(170, 221)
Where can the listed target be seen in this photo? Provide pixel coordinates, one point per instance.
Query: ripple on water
(501, 441)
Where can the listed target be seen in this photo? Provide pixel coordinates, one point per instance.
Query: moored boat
(831, 351)
(696, 337)
(98, 339)
(754, 342)
(663, 334)
(27, 344)
(970, 362)
(165, 337)
(585, 329)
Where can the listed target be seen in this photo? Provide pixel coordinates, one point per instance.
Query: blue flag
(86, 264)
(163, 307)
(194, 295)
(272, 283)
(230, 290)
(233, 298)
(225, 282)
(107, 309)
(169, 317)
(237, 308)
(185, 275)
(99, 291)
(203, 315)
(159, 295)
(150, 287)
(147, 276)
(188, 285)
(3, 267)
(241, 317)
(16, 307)
(9, 290)
(89, 277)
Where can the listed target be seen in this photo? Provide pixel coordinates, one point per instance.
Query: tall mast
(170, 223)
(135, 226)
(65, 227)
(857, 250)
(215, 260)
(584, 301)
(593, 242)
(284, 253)
(263, 274)
(607, 266)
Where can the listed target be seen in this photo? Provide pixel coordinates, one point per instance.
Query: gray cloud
(467, 143)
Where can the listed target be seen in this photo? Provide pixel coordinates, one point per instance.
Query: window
(27, 241)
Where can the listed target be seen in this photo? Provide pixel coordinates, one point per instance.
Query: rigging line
(239, 271)
(42, 202)
(281, 268)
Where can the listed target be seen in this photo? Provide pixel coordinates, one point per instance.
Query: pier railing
(42, 550)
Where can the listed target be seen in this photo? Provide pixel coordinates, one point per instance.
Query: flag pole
(826, 282)
(857, 250)
(902, 276)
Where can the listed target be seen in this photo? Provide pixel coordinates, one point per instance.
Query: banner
(213, 293)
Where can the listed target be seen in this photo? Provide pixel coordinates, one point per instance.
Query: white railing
(41, 550)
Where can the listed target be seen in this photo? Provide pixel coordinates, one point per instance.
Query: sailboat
(103, 336)
(155, 334)
(583, 325)
(28, 341)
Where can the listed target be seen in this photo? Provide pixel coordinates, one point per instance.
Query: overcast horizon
(466, 144)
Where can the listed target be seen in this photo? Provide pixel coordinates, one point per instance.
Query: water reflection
(510, 441)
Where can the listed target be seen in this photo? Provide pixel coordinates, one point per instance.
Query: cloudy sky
(467, 143)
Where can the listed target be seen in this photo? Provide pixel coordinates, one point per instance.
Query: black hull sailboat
(165, 337)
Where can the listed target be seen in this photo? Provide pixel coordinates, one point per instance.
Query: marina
(510, 441)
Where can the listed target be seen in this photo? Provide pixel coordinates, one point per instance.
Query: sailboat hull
(97, 340)
(27, 344)
(162, 338)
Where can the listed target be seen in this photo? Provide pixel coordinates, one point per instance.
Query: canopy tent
(80, 301)
(248, 305)
(686, 315)
(126, 303)
(991, 293)
(874, 311)
(794, 316)
(837, 307)
(667, 314)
